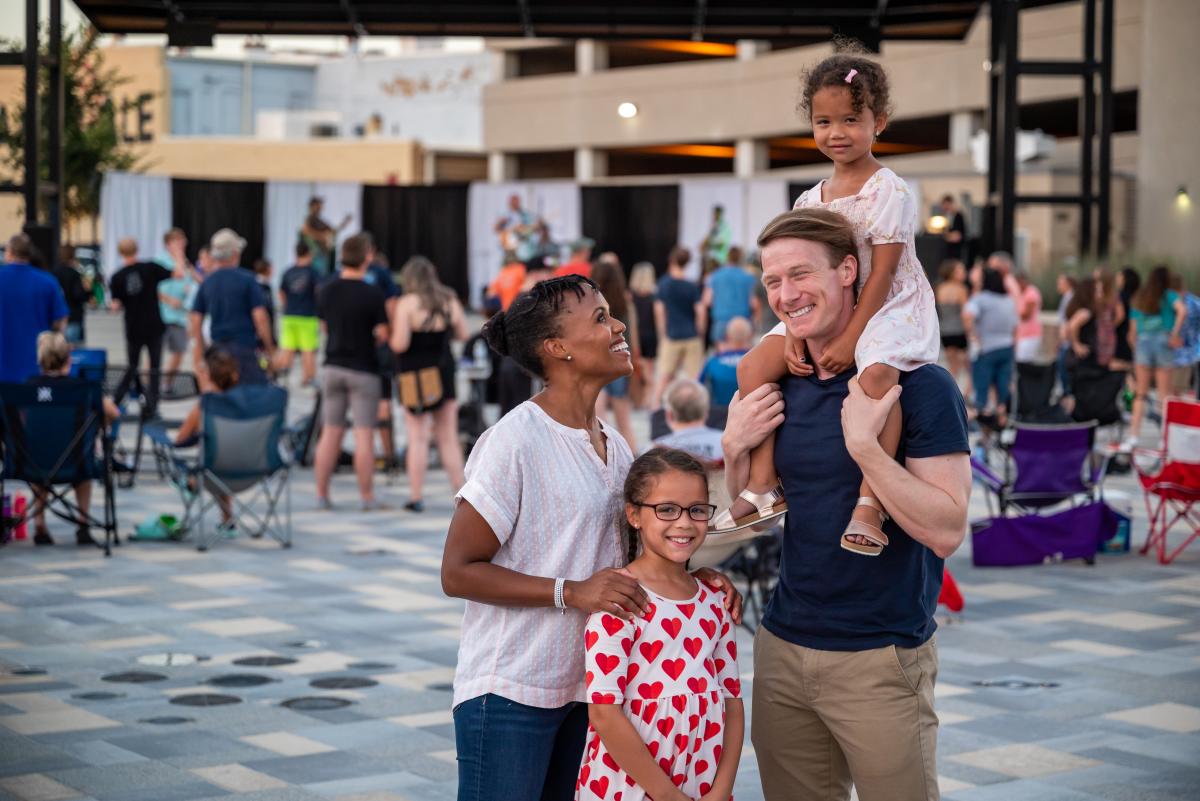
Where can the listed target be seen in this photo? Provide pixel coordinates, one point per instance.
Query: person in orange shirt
(580, 262)
(507, 285)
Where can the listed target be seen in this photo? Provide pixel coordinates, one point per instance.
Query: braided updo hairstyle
(532, 319)
(868, 86)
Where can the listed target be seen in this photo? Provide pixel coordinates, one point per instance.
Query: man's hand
(1081, 350)
(751, 419)
(863, 418)
(838, 355)
(796, 356)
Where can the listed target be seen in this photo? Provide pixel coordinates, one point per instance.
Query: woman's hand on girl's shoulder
(613, 591)
(719, 582)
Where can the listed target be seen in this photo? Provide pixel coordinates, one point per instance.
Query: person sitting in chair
(54, 361)
(220, 375)
(687, 405)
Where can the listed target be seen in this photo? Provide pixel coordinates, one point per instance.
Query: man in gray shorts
(353, 315)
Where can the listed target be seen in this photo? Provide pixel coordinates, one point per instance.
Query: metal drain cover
(444, 687)
(316, 703)
(1016, 684)
(369, 666)
(205, 699)
(99, 695)
(342, 683)
(240, 680)
(305, 644)
(28, 671)
(134, 677)
(264, 661)
(170, 659)
(167, 720)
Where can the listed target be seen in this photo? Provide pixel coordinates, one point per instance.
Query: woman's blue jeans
(515, 752)
(992, 369)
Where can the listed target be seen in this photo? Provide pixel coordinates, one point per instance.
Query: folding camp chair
(1171, 477)
(239, 450)
(1031, 395)
(1044, 465)
(125, 388)
(49, 436)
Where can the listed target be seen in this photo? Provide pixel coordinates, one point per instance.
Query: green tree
(91, 141)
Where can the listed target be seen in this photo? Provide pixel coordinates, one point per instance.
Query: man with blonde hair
(134, 290)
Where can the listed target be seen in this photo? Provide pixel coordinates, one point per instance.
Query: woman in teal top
(1155, 322)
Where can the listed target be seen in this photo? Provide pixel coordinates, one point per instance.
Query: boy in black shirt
(135, 289)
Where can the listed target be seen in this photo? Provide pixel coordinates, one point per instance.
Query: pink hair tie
(850, 75)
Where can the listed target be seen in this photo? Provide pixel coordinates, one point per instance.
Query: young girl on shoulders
(894, 328)
(665, 708)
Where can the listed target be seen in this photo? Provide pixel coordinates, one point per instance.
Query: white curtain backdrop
(133, 205)
(557, 202)
(696, 200)
(287, 206)
(764, 200)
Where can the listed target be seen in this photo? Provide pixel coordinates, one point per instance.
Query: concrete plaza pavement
(323, 672)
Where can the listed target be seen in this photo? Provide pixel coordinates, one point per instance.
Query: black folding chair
(125, 387)
(50, 435)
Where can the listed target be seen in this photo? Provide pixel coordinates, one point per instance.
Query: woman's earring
(569, 357)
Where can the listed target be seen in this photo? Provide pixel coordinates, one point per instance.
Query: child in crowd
(664, 696)
(894, 327)
(220, 375)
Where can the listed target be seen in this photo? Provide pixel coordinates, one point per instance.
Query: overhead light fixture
(937, 224)
(1183, 201)
(627, 110)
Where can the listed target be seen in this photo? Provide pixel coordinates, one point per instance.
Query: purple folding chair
(1044, 465)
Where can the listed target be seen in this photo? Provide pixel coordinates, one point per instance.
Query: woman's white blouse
(555, 507)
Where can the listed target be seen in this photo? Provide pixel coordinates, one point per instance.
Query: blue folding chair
(239, 450)
(50, 435)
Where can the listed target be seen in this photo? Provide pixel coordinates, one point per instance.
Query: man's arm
(196, 331)
(926, 496)
(262, 325)
(749, 422)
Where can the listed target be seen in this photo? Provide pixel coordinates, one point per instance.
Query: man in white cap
(234, 303)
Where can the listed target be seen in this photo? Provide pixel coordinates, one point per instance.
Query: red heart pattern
(672, 677)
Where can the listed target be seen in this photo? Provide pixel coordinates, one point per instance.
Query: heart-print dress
(671, 672)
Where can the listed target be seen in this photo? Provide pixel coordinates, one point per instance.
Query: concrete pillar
(501, 167)
(963, 125)
(590, 164)
(750, 157)
(750, 49)
(429, 167)
(1168, 225)
(591, 56)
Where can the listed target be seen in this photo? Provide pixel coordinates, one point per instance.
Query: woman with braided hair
(535, 546)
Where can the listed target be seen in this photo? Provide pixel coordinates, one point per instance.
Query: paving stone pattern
(1062, 682)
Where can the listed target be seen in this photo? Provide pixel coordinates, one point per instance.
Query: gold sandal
(858, 528)
(768, 506)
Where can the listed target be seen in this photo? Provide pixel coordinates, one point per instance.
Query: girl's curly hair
(868, 85)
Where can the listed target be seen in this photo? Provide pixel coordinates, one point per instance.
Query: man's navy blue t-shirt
(299, 287)
(679, 297)
(829, 598)
(229, 296)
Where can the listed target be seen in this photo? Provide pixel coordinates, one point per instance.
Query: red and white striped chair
(1172, 490)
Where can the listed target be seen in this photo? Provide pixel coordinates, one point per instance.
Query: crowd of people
(991, 319)
(593, 664)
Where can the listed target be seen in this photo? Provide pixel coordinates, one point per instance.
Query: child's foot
(864, 534)
(415, 506)
(750, 508)
(42, 537)
(83, 537)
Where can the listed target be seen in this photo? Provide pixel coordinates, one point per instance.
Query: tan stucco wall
(729, 99)
(219, 158)
(1168, 122)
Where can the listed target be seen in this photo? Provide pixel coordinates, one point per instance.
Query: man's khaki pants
(824, 720)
